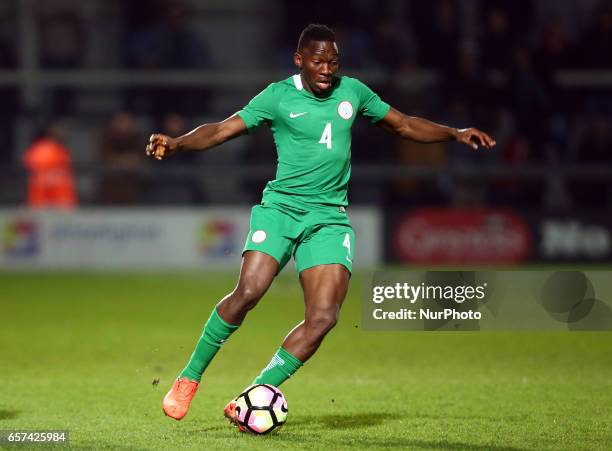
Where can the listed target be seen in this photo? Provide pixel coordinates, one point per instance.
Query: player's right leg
(256, 274)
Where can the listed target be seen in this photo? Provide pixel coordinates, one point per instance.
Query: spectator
(356, 51)
(497, 40)
(593, 149)
(596, 44)
(554, 50)
(437, 27)
(529, 100)
(520, 14)
(51, 183)
(61, 41)
(9, 104)
(178, 189)
(121, 157)
(392, 46)
(168, 43)
(467, 84)
(512, 189)
(415, 191)
(596, 142)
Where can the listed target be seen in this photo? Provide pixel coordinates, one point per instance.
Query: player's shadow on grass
(358, 421)
(341, 421)
(403, 443)
(395, 443)
(8, 414)
(219, 428)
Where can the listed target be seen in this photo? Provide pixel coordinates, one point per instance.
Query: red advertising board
(461, 236)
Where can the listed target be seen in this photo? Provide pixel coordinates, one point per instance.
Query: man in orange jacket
(51, 183)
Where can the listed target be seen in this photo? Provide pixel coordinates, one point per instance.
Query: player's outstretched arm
(424, 131)
(203, 137)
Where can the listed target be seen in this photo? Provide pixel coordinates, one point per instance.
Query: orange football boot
(177, 400)
(230, 413)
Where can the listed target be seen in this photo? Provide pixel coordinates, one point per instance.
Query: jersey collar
(297, 81)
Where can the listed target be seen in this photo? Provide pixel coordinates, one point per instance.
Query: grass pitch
(81, 352)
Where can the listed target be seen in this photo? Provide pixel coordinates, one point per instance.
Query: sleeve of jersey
(371, 105)
(260, 109)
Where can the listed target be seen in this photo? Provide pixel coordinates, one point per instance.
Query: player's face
(318, 62)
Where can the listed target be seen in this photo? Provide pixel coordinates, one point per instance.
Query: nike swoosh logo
(294, 115)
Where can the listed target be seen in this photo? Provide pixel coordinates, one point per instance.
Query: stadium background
(96, 77)
(103, 75)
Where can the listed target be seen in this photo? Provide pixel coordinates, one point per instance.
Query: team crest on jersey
(259, 236)
(345, 109)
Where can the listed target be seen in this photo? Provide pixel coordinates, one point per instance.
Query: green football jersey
(312, 137)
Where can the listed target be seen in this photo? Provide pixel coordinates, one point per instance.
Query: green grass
(80, 352)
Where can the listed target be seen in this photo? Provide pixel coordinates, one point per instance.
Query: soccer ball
(261, 409)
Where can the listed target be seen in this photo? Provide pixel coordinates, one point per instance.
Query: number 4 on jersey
(326, 137)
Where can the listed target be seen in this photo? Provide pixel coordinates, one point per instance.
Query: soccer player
(302, 212)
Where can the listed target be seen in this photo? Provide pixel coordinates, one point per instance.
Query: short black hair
(315, 32)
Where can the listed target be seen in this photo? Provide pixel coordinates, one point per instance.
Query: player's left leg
(324, 259)
(325, 288)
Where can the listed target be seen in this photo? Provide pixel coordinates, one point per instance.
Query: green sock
(280, 368)
(216, 332)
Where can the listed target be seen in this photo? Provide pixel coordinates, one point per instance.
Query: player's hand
(161, 146)
(474, 138)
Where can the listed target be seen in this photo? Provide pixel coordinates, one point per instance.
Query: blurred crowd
(497, 66)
